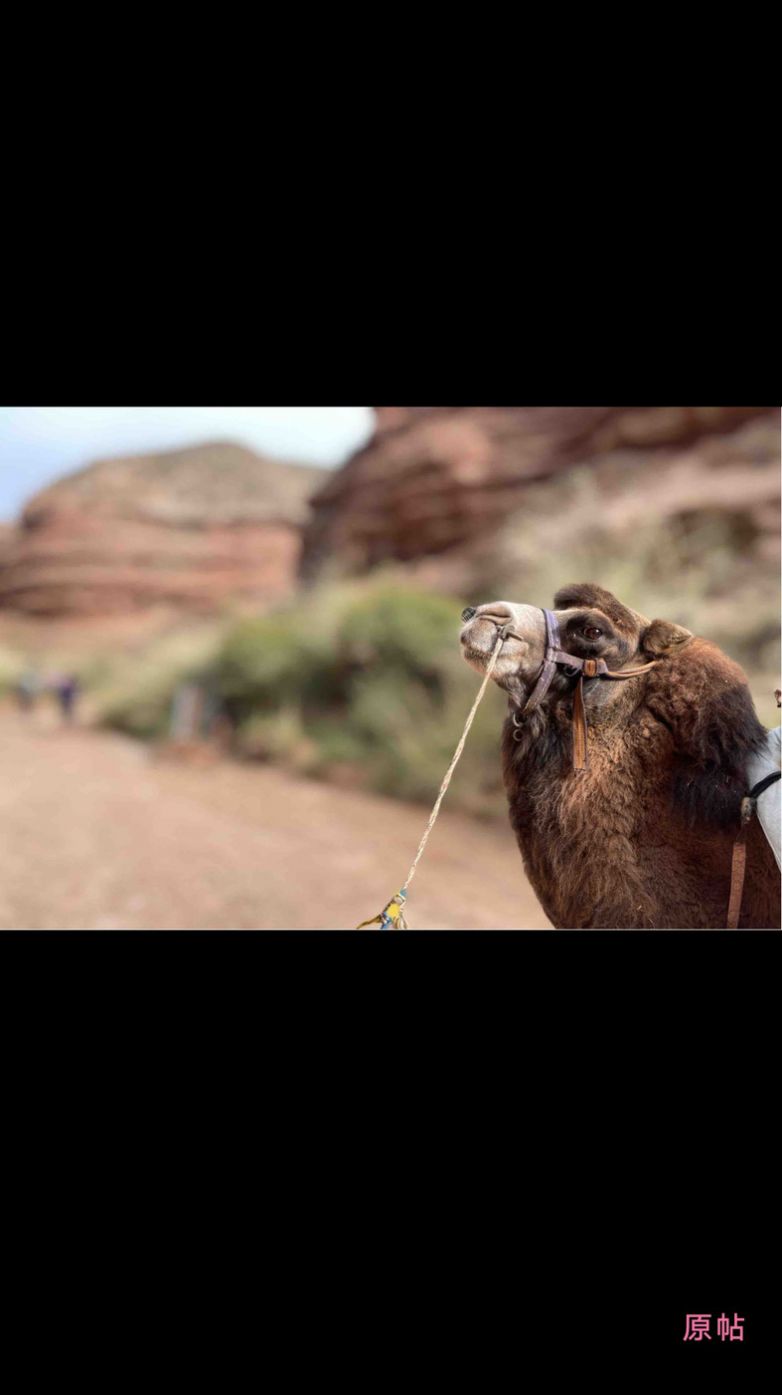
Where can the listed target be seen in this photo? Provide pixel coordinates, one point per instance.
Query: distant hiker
(67, 689)
(186, 712)
(27, 690)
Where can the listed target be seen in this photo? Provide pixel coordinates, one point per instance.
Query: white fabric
(770, 801)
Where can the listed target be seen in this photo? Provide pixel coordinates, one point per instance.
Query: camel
(642, 837)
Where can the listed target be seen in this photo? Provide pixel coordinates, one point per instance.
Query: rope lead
(391, 917)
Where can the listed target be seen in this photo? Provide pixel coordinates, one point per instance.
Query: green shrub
(133, 693)
(365, 680)
(271, 661)
(278, 736)
(400, 631)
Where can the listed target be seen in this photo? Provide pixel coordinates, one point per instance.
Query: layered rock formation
(433, 480)
(189, 529)
(676, 509)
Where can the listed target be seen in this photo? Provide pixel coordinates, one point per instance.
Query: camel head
(592, 623)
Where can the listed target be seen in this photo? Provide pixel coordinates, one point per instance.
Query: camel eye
(592, 632)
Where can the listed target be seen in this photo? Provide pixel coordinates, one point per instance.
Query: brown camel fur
(643, 837)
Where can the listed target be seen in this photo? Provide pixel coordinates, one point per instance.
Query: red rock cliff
(188, 528)
(432, 480)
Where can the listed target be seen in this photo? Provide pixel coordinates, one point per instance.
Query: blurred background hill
(434, 481)
(212, 598)
(184, 529)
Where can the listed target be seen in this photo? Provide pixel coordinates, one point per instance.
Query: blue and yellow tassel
(391, 917)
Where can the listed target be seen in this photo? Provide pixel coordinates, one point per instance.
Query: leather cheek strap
(580, 754)
(550, 660)
(592, 668)
(580, 748)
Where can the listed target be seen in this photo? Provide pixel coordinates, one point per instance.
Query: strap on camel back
(763, 799)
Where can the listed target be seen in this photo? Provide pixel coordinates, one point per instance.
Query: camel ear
(662, 636)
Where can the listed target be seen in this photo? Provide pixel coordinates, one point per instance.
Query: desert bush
(364, 681)
(133, 693)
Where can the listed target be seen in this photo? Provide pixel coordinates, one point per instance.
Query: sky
(39, 444)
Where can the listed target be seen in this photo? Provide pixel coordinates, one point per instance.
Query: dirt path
(96, 834)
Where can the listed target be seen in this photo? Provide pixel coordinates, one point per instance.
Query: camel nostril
(469, 612)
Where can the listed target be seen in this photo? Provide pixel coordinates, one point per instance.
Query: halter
(573, 666)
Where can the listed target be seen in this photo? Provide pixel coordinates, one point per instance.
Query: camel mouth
(473, 650)
(473, 655)
(476, 644)
(477, 651)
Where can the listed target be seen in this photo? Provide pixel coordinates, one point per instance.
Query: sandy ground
(98, 834)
